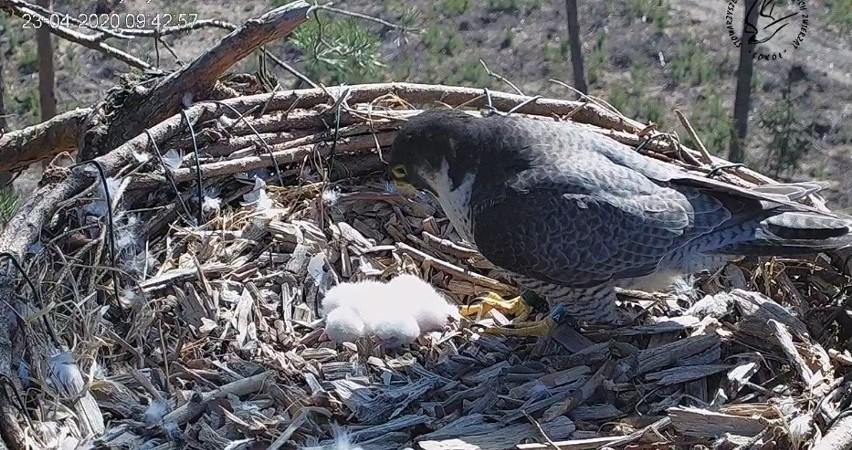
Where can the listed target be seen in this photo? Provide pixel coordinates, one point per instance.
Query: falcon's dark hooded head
(436, 146)
(439, 151)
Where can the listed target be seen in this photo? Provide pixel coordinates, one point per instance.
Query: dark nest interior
(164, 322)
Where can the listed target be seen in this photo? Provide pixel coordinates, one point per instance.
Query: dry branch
(146, 107)
(20, 148)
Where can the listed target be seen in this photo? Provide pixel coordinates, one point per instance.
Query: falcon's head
(438, 151)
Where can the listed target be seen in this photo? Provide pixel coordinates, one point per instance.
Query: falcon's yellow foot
(533, 328)
(516, 307)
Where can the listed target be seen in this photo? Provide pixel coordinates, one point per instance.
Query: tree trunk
(4, 125)
(742, 101)
(46, 73)
(576, 48)
(5, 177)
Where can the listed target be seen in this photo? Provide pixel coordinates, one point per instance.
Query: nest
(168, 319)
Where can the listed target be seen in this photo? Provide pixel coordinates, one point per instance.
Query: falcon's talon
(534, 328)
(517, 306)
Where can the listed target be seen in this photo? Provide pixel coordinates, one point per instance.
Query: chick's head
(396, 331)
(344, 324)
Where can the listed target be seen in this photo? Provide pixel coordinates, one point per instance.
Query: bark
(742, 102)
(576, 47)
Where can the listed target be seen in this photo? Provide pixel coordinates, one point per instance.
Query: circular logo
(773, 28)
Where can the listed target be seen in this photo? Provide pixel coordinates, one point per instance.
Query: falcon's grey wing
(543, 226)
(573, 207)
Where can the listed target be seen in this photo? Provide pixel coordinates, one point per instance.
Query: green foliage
(28, 63)
(656, 11)
(840, 15)
(338, 50)
(8, 205)
(636, 102)
(513, 6)
(597, 59)
(442, 41)
(710, 120)
(690, 65)
(470, 74)
(455, 7)
(789, 139)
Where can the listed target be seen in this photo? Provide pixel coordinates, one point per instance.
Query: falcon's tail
(782, 232)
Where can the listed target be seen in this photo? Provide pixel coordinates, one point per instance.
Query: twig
(36, 294)
(500, 77)
(839, 435)
(111, 226)
(580, 396)
(196, 78)
(344, 12)
(704, 155)
(241, 387)
(540, 430)
(168, 174)
(198, 179)
(265, 145)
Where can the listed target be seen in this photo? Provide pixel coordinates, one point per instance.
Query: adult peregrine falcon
(572, 213)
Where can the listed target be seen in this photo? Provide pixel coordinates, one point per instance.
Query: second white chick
(428, 307)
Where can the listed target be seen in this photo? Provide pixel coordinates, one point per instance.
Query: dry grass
(214, 341)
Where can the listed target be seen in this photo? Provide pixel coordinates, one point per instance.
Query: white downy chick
(350, 293)
(395, 328)
(344, 324)
(428, 307)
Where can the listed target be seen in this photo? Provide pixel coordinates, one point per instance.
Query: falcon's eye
(399, 172)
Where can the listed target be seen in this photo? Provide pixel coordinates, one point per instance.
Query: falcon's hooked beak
(402, 179)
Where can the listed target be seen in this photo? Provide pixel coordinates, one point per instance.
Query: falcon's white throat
(455, 202)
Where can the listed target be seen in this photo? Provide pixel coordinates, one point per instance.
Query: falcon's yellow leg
(517, 306)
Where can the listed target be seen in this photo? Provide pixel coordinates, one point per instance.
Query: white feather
(173, 159)
(64, 368)
(342, 441)
(155, 412)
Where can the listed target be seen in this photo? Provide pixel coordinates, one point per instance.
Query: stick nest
(213, 339)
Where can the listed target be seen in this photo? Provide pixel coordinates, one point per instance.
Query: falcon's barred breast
(571, 212)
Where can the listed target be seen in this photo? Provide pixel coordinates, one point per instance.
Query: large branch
(20, 148)
(146, 107)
